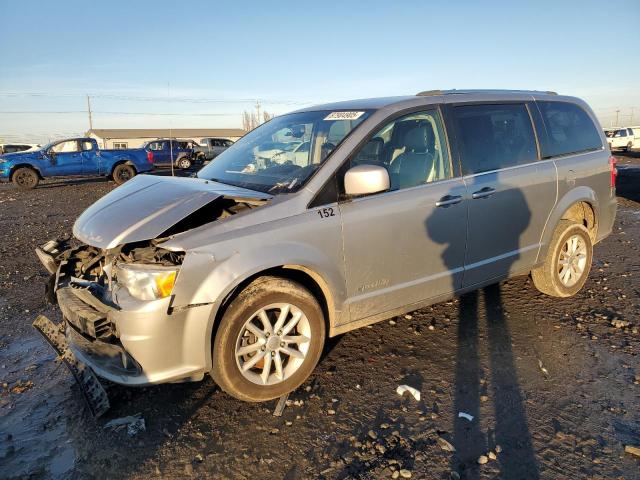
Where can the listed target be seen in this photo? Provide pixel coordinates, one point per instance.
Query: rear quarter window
(569, 129)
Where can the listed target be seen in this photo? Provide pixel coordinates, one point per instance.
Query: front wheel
(568, 261)
(25, 178)
(184, 163)
(269, 340)
(122, 173)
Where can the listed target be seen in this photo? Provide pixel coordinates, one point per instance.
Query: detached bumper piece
(85, 312)
(47, 254)
(92, 390)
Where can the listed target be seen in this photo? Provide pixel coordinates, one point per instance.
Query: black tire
(122, 173)
(546, 278)
(261, 293)
(25, 178)
(184, 163)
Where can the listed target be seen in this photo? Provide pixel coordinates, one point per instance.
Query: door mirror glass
(366, 179)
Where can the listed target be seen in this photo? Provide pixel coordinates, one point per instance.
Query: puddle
(34, 439)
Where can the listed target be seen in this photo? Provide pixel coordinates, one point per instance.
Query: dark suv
(210, 148)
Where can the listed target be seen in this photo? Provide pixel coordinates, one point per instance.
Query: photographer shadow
(501, 388)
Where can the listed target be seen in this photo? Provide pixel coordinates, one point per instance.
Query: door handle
(484, 193)
(448, 200)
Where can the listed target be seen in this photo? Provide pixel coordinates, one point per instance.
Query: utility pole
(632, 109)
(258, 112)
(89, 110)
(617, 115)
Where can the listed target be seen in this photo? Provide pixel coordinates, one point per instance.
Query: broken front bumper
(130, 341)
(136, 342)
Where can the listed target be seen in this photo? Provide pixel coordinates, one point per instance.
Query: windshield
(267, 159)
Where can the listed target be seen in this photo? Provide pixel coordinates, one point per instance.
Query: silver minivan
(393, 204)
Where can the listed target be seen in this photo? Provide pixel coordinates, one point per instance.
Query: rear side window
(569, 129)
(492, 137)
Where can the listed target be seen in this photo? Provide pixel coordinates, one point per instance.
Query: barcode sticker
(343, 115)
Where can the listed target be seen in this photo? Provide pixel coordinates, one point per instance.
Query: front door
(65, 158)
(406, 245)
(510, 192)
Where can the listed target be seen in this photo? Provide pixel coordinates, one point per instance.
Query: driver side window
(70, 146)
(412, 148)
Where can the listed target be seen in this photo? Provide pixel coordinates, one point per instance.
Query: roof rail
(429, 93)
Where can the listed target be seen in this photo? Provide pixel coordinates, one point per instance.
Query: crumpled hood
(146, 206)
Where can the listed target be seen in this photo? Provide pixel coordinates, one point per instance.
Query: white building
(119, 138)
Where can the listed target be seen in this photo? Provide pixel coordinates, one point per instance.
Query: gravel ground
(552, 384)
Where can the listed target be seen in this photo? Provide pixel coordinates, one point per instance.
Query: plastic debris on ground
(406, 388)
(134, 424)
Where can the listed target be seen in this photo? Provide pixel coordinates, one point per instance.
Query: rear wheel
(122, 173)
(25, 178)
(629, 145)
(568, 261)
(269, 340)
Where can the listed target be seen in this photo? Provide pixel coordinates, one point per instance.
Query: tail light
(150, 157)
(613, 169)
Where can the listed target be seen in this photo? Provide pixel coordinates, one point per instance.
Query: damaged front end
(83, 284)
(114, 280)
(82, 279)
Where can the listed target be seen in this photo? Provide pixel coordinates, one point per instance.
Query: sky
(187, 64)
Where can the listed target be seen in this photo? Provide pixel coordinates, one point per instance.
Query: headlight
(146, 282)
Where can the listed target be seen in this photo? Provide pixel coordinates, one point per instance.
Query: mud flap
(92, 390)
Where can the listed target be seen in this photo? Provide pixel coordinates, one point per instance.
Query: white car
(18, 147)
(623, 138)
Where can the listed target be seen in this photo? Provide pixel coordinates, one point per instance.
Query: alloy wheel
(273, 344)
(572, 260)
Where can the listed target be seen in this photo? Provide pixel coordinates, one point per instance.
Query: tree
(251, 120)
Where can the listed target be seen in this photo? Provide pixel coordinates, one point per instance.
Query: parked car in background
(400, 202)
(277, 152)
(18, 147)
(622, 138)
(210, 148)
(168, 151)
(71, 157)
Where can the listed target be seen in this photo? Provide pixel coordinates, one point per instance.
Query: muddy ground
(552, 384)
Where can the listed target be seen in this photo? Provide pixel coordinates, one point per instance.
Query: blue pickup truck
(70, 157)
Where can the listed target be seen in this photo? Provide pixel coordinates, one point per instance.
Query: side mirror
(366, 179)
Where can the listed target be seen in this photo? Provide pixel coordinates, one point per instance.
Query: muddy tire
(122, 173)
(269, 340)
(184, 163)
(568, 261)
(25, 178)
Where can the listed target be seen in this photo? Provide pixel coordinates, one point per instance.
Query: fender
(28, 165)
(119, 160)
(578, 194)
(211, 281)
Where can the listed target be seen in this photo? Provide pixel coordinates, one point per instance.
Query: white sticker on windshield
(343, 115)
